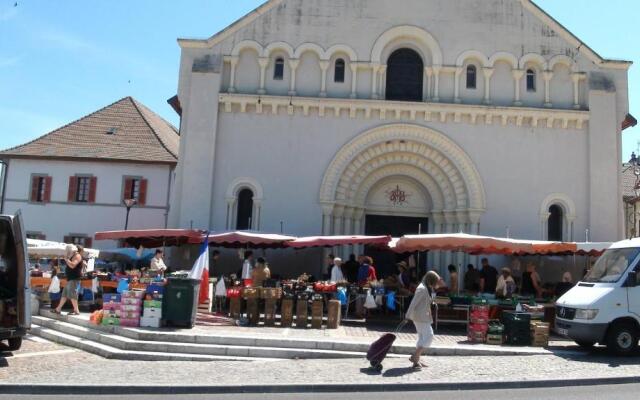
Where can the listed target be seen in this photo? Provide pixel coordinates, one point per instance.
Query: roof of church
(123, 131)
(540, 13)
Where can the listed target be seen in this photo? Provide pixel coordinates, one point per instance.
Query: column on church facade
(547, 76)
(354, 80)
(324, 66)
(456, 78)
(233, 60)
(348, 230)
(488, 73)
(436, 85)
(263, 62)
(427, 91)
(293, 64)
(517, 77)
(374, 81)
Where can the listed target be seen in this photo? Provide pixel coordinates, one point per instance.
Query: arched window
(405, 76)
(278, 71)
(245, 210)
(472, 72)
(531, 80)
(555, 224)
(338, 75)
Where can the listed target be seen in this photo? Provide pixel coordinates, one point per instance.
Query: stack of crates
(539, 334)
(495, 333)
(112, 309)
(517, 329)
(151, 313)
(478, 322)
(131, 307)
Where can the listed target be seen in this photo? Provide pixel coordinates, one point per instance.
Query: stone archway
(428, 158)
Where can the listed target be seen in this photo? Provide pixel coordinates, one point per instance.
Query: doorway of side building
(395, 226)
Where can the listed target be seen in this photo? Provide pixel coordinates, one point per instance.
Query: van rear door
(13, 251)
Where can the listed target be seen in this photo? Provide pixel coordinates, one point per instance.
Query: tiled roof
(628, 182)
(123, 131)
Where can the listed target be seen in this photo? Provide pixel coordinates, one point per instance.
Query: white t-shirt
(247, 269)
(336, 274)
(157, 264)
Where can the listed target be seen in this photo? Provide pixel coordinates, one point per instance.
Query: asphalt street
(617, 392)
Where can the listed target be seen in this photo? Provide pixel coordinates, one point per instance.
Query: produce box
(130, 322)
(334, 314)
(251, 293)
(132, 301)
(494, 340)
(130, 315)
(477, 337)
(150, 322)
(130, 307)
(111, 298)
(152, 304)
(112, 306)
(136, 294)
(271, 293)
(116, 312)
(152, 313)
(110, 321)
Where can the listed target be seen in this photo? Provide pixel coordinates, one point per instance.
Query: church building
(397, 117)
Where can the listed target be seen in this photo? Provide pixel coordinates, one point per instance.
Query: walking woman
(73, 274)
(420, 314)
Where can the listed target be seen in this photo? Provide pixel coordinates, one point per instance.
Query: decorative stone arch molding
(446, 172)
(535, 59)
(503, 56)
(563, 60)
(472, 55)
(247, 44)
(412, 34)
(312, 47)
(278, 46)
(568, 210)
(341, 49)
(233, 191)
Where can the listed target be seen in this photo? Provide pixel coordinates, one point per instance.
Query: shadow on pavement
(370, 371)
(600, 355)
(398, 372)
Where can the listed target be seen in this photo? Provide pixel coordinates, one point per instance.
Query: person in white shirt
(506, 285)
(419, 313)
(157, 263)
(336, 271)
(247, 267)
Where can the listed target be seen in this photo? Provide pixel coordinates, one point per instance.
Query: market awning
(150, 238)
(246, 239)
(48, 249)
(461, 242)
(331, 241)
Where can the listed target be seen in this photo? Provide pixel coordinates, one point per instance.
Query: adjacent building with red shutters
(73, 181)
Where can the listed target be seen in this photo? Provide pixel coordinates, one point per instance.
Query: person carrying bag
(419, 313)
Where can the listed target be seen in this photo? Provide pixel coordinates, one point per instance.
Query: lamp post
(128, 203)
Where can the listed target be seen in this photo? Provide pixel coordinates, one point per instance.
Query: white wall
(59, 218)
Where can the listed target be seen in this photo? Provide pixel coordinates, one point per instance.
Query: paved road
(621, 392)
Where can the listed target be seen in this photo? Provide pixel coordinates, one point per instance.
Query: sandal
(54, 311)
(73, 313)
(417, 367)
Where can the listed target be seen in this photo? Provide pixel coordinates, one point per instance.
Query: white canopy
(45, 249)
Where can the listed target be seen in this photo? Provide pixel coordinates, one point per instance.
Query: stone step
(331, 345)
(129, 344)
(111, 352)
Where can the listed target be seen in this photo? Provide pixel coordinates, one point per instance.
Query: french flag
(200, 271)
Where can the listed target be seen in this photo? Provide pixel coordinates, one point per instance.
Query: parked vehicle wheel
(585, 345)
(622, 339)
(15, 343)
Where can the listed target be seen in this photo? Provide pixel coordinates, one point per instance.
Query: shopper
(247, 267)
(260, 273)
(54, 287)
(157, 265)
(506, 286)
(213, 265)
(419, 313)
(326, 269)
(531, 282)
(488, 278)
(471, 280)
(336, 271)
(366, 272)
(350, 269)
(453, 279)
(73, 273)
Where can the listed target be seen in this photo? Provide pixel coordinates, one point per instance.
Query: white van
(604, 307)
(15, 295)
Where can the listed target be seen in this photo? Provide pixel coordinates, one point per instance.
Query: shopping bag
(342, 296)
(391, 301)
(379, 300)
(95, 285)
(370, 302)
(123, 285)
(221, 289)
(54, 287)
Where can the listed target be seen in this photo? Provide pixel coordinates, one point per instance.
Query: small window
(245, 210)
(472, 73)
(278, 72)
(531, 80)
(40, 189)
(338, 75)
(555, 228)
(136, 189)
(82, 192)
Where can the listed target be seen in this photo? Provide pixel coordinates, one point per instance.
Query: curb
(284, 389)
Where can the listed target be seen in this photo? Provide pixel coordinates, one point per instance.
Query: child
(54, 288)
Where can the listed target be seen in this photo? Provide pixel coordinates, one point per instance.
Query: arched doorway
(405, 76)
(555, 225)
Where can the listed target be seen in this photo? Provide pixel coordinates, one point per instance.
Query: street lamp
(128, 203)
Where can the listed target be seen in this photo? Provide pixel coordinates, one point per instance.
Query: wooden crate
(302, 314)
(286, 311)
(253, 313)
(334, 314)
(317, 312)
(270, 312)
(235, 307)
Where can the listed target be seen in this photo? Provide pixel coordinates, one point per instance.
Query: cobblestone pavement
(40, 362)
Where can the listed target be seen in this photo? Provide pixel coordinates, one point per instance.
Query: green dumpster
(180, 302)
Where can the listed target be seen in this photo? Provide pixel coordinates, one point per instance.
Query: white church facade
(352, 117)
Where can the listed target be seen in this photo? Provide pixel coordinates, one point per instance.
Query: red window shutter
(127, 188)
(35, 180)
(88, 242)
(73, 188)
(142, 199)
(47, 189)
(93, 186)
